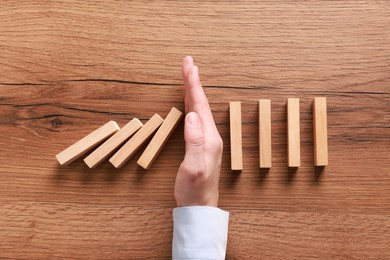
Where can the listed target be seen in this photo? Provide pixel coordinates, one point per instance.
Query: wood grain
(67, 67)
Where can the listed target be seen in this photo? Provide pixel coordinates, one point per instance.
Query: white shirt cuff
(199, 232)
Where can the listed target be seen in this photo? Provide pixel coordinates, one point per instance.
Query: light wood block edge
(160, 138)
(136, 141)
(115, 141)
(235, 136)
(87, 143)
(265, 143)
(320, 129)
(294, 142)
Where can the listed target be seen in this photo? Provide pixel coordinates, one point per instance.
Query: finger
(194, 88)
(197, 100)
(188, 63)
(194, 138)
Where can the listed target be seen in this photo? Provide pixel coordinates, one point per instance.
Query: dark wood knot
(56, 122)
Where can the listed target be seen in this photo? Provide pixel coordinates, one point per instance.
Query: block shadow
(318, 171)
(233, 178)
(291, 173)
(263, 174)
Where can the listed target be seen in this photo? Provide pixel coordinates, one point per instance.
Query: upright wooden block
(235, 136)
(90, 141)
(294, 142)
(265, 149)
(160, 138)
(320, 132)
(109, 146)
(135, 142)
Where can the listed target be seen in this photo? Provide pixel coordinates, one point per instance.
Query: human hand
(198, 175)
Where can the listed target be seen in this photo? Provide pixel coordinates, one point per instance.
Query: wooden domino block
(160, 138)
(109, 146)
(90, 141)
(320, 132)
(235, 136)
(135, 142)
(265, 149)
(294, 142)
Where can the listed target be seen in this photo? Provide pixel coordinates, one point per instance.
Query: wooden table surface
(67, 67)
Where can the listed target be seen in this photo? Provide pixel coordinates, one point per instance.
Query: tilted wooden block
(90, 141)
(294, 142)
(109, 146)
(265, 149)
(160, 138)
(235, 136)
(320, 128)
(135, 142)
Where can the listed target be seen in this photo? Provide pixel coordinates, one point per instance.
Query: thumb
(194, 137)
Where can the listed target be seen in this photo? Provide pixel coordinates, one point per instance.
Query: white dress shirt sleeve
(199, 232)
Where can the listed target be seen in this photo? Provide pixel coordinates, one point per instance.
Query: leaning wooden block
(87, 143)
(160, 138)
(265, 149)
(320, 132)
(294, 142)
(108, 147)
(135, 142)
(235, 136)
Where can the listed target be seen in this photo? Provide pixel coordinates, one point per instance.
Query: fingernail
(192, 119)
(188, 58)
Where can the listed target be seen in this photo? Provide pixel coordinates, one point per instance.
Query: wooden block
(320, 132)
(294, 142)
(235, 136)
(90, 141)
(109, 146)
(135, 142)
(160, 138)
(265, 149)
